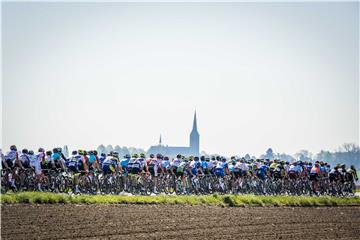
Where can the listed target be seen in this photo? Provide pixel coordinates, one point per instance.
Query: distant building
(193, 149)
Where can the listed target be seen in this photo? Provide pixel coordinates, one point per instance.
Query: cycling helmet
(90, 152)
(152, 155)
(202, 158)
(158, 155)
(55, 150)
(135, 155)
(103, 154)
(212, 158)
(48, 153)
(25, 151)
(207, 159)
(142, 155)
(190, 158)
(218, 158)
(166, 158)
(196, 158)
(223, 159)
(74, 152)
(127, 156)
(178, 156)
(115, 154)
(95, 152)
(41, 150)
(13, 148)
(31, 152)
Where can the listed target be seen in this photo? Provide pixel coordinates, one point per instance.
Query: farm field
(163, 221)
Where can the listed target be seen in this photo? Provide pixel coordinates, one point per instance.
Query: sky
(260, 75)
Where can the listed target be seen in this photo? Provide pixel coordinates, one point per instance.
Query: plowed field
(25, 221)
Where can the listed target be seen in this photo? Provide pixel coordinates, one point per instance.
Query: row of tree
(348, 153)
(121, 150)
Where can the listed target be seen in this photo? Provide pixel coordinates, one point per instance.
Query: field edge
(213, 200)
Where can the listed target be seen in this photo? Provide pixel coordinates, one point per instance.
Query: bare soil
(25, 221)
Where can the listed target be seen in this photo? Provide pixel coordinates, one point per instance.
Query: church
(193, 149)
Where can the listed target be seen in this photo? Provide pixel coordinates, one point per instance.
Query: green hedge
(216, 200)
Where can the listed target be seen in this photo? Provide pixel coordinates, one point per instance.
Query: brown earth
(71, 221)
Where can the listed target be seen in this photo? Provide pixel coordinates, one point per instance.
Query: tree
(109, 148)
(304, 155)
(268, 155)
(101, 149)
(247, 157)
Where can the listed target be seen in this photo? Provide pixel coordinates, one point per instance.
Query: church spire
(194, 123)
(160, 140)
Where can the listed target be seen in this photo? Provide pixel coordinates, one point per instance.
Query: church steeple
(194, 138)
(194, 129)
(160, 140)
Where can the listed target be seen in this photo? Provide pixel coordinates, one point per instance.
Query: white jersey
(244, 166)
(35, 163)
(176, 162)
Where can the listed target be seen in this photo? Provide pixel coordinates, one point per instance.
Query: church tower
(194, 139)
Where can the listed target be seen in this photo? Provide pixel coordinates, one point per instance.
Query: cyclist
(137, 165)
(221, 168)
(315, 176)
(180, 172)
(124, 164)
(165, 165)
(92, 160)
(35, 162)
(153, 166)
(143, 162)
(351, 177)
(58, 159)
(25, 159)
(195, 166)
(102, 158)
(3, 162)
(46, 161)
(175, 163)
(83, 162)
(204, 165)
(73, 167)
(110, 165)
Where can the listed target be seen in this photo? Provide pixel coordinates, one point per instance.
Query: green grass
(214, 200)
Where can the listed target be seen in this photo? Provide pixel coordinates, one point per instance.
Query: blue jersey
(101, 160)
(232, 168)
(165, 164)
(194, 167)
(204, 164)
(263, 169)
(92, 159)
(56, 156)
(124, 162)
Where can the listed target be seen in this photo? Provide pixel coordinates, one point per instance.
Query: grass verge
(214, 200)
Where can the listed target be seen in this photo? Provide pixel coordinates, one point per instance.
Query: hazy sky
(260, 75)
